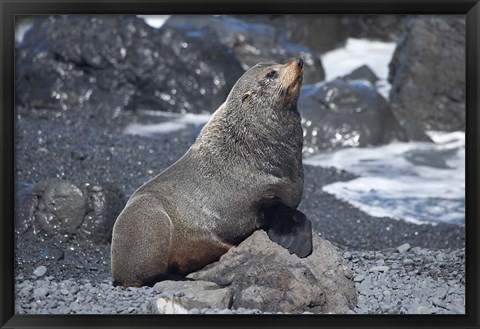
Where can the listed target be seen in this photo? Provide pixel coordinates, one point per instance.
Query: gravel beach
(85, 85)
(428, 277)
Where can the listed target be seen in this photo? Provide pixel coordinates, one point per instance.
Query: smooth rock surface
(263, 275)
(403, 248)
(40, 271)
(342, 113)
(58, 209)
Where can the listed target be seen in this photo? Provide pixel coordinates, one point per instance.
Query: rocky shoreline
(70, 144)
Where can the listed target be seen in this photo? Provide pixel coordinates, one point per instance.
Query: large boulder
(59, 210)
(110, 63)
(427, 72)
(373, 27)
(346, 113)
(251, 41)
(263, 275)
(320, 33)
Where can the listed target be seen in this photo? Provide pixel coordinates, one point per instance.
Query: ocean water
(416, 182)
(357, 52)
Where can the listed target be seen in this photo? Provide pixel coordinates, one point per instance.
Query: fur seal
(244, 172)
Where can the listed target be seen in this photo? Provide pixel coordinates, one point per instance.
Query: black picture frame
(10, 8)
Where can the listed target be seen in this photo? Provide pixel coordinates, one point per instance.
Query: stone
(252, 42)
(179, 295)
(263, 275)
(404, 247)
(363, 72)
(340, 113)
(441, 293)
(40, 292)
(359, 278)
(379, 269)
(427, 73)
(439, 303)
(40, 271)
(62, 209)
(423, 310)
(373, 27)
(108, 63)
(53, 253)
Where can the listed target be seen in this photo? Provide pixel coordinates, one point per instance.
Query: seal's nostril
(299, 62)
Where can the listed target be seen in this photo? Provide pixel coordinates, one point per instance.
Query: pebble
(359, 278)
(441, 293)
(40, 271)
(404, 247)
(390, 291)
(40, 293)
(379, 269)
(439, 303)
(423, 309)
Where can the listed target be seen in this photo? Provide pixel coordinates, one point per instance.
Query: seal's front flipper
(291, 229)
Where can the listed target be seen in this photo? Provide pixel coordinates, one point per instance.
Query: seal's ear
(246, 95)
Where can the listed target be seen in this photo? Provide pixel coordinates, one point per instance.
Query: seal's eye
(272, 74)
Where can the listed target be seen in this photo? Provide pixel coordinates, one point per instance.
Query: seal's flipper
(290, 229)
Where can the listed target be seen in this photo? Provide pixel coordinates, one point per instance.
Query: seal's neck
(271, 141)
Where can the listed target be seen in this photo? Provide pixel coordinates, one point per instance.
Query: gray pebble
(439, 303)
(441, 293)
(40, 293)
(378, 269)
(194, 311)
(226, 311)
(359, 278)
(404, 247)
(40, 271)
(457, 309)
(423, 309)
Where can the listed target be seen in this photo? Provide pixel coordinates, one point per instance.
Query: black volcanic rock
(342, 113)
(427, 73)
(252, 41)
(111, 63)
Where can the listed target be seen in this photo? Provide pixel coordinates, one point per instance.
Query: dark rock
(110, 63)
(53, 253)
(252, 42)
(373, 27)
(104, 204)
(263, 275)
(59, 209)
(320, 33)
(427, 73)
(343, 113)
(362, 73)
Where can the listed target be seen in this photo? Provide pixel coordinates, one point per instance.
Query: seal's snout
(299, 62)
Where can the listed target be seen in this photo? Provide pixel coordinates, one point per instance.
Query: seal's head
(259, 122)
(268, 85)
